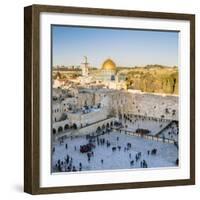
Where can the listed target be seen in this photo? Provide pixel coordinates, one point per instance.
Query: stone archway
(66, 126)
(60, 129)
(98, 130)
(54, 131)
(74, 126)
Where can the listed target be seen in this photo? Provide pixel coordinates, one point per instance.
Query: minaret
(85, 64)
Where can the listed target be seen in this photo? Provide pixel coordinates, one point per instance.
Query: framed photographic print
(109, 99)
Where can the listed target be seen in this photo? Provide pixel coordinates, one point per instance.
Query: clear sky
(125, 47)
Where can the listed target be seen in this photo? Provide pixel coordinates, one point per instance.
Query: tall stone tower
(85, 70)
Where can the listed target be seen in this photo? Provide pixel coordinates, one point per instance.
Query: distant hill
(154, 78)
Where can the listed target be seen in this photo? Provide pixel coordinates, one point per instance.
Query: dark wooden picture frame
(32, 94)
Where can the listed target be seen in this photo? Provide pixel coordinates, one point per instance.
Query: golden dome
(108, 65)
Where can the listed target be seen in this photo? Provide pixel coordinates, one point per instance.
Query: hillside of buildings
(154, 78)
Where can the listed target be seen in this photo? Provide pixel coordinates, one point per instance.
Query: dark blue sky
(125, 47)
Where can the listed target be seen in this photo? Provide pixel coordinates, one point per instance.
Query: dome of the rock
(109, 65)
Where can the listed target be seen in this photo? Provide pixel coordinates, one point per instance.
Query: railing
(149, 137)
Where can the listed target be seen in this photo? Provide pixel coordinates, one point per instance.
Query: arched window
(112, 77)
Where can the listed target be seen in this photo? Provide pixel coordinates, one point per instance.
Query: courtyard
(111, 151)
